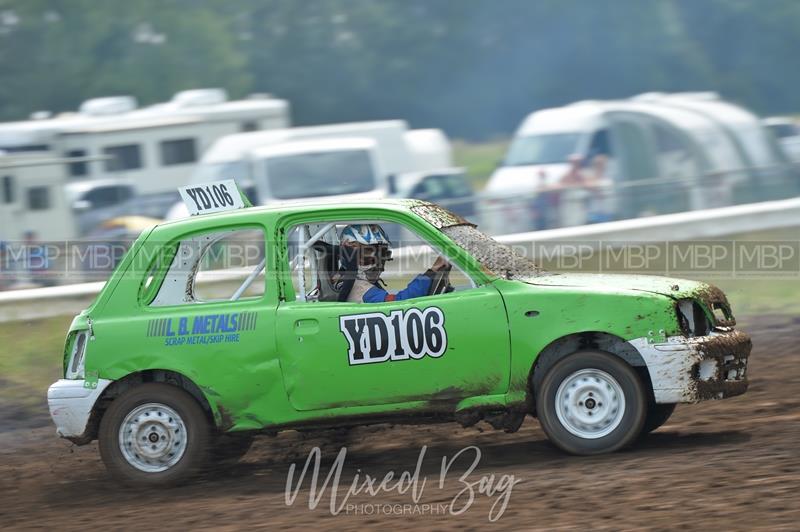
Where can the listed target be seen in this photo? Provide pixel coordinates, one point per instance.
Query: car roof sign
(217, 196)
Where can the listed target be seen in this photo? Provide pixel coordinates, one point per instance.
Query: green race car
(220, 326)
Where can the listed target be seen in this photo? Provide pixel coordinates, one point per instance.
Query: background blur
(471, 67)
(519, 115)
(587, 118)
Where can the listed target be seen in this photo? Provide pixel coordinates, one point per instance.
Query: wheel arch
(598, 340)
(131, 380)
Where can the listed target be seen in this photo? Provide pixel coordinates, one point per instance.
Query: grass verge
(480, 160)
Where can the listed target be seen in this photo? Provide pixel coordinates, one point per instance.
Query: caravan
(33, 199)
(152, 149)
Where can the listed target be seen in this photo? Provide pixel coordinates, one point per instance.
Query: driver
(367, 249)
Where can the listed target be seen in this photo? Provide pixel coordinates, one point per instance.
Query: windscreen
(498, 259)
(320, 174)
(782, 131)
(542, 149)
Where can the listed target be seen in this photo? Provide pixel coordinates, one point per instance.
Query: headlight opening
(76, 360)
(692, 318)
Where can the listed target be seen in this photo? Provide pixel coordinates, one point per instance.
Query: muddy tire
(229, 448)
(154, 434)
(656, 416)
(591, 402)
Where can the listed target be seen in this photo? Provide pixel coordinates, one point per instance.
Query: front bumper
(71, 403)
(689, 370)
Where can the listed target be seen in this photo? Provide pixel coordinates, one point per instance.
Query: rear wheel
(591, 402)
(657, 415)
(154, 434)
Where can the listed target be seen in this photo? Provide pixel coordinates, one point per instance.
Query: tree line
(472, 67)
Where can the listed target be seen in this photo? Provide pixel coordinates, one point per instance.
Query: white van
(360, 159)
(336, 168)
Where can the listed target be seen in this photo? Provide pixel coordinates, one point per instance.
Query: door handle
(306, 326)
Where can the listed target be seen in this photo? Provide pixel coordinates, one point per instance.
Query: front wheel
(154, 434)
(591, 402)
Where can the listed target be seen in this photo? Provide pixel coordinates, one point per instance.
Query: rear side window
(123, 157)
(9, 190)
(227, 263)
(154, 275)
(224, 265)
(178, 151)
(38, 198)
(80, 167)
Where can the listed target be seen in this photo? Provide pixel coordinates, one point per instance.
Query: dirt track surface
(731, 464)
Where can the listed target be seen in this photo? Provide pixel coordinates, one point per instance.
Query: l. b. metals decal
(201, 330)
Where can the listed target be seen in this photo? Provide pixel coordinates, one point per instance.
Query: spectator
(599, 204)
(573, 194)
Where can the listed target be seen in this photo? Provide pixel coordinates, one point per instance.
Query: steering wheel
(440, 284)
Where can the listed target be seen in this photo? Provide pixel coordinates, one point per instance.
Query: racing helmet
(364, 234)
(364, 249)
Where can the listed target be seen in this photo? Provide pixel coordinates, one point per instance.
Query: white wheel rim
(152, 437)
(590, 403)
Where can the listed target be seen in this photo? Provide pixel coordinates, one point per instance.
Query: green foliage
(473, 67)
(57, 53)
